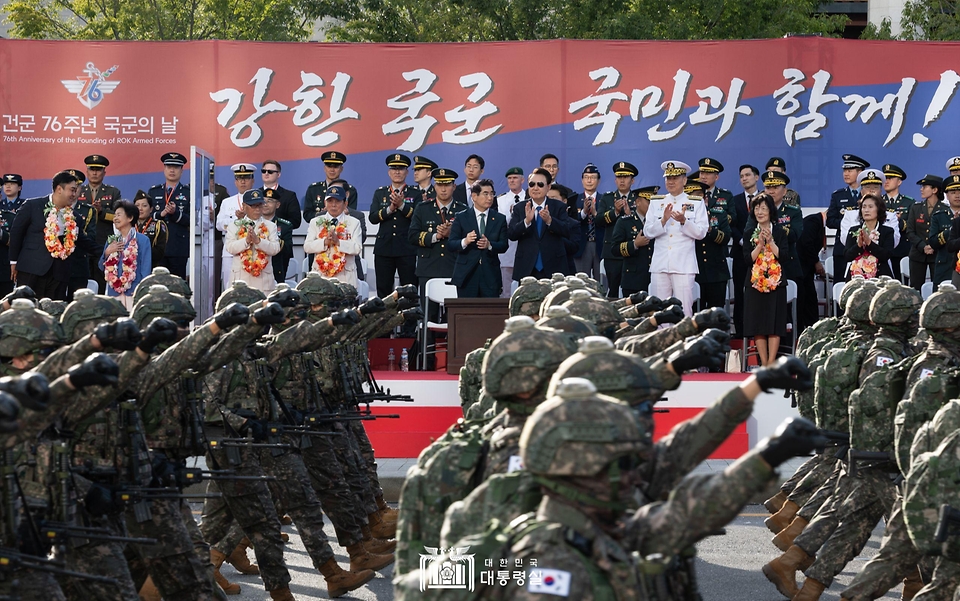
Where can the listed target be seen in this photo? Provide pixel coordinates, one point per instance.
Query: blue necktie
(539, 263)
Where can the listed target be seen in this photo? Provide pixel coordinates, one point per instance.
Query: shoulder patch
(881, 361)
(550, 582)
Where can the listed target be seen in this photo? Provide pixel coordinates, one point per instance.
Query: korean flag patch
(551, 582)
(515, 464)
(881, 361)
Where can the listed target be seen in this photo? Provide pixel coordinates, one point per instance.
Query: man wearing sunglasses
(540, 226)
(289, 207)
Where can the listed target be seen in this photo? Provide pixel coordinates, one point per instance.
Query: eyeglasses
(271, 171)
(537, 185)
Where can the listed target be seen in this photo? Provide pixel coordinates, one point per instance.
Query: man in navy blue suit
(540, 226)
(479, 236)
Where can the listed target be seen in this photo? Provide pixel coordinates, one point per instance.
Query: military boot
(389, 514)
(282, 594)
(239, 560)
(788, 534)
(811, 591)
(285, 537)
(377, 546)
(217, 558)
(774, 503)
(911, 586)
(381, 528)
(286, 520)
(361, 559)
(782, 571)
(782, 518)
(149, 592)
(340, 582)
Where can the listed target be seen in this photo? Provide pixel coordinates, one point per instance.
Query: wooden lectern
(470, 321)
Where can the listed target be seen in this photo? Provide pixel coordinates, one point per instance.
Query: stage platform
(436, 406)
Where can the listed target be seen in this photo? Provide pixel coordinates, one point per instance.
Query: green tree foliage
(924, 20)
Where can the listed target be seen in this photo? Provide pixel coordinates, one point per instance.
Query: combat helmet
(858, 303)
(618, 374)
(580, 436)
(521, 360)
(526, 299)
(349, 292)
(315, 289)
(561, 293)
(87, 311)
(596, 310)
(25, 329)
(941, 311)
(162, 276)
(895, 304)
(239, 292)
(589, 281)
(849, 288)
(54, 307)
(160, 302)
(559, 318)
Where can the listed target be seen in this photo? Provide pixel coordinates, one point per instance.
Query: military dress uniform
(8, 210)
(285, 230)
(392, 252)
(102, 200)
(791, 198)
(712, 249)
(433, 260)
(635, 275)
(422, 162)
(842, 200)
(606, 219)
(178, 222)
(900, 206)
(81, 271)
(317, 191)
(940, 238)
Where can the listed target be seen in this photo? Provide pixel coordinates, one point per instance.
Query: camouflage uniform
(528, 296)
(471, 377)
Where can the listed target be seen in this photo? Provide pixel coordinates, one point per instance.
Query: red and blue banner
(808, 100)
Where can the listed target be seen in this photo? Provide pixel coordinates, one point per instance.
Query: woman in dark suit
(871, 238)
(764, 304)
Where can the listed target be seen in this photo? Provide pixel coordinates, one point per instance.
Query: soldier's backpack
(836, 379)
(930, 435)
(502, 497)
(932, 482)
(872, 406)
(923, 400)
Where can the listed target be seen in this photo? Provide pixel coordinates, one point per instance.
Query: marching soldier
(171, 202)
(102, 197)
(316, 192)
(611, 207)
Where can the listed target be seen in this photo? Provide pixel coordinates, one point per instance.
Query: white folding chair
(695, 303)
(94, 286)
(363, 290)
(362, 266)
(304, 267)
(603, 274)
(905, 270)
(827, 286)
(792, 301)
(437, 290)
(728, 302)
(926, 290)
(292, 272)
(837, 289)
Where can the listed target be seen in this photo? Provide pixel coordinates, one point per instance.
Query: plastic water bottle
(404, 360)
(391, 361)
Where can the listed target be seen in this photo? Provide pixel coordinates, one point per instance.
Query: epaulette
(658, 196)
(694, 197)
(383, 187)
(316, 184)
(161, 186)
(282, 220)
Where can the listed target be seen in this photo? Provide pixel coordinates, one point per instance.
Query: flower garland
(331, 261)
(121, 278)
(254, 260)
(766, 272)
(52, 232)
(866, 264)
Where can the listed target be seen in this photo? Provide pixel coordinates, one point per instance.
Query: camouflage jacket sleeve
(92, 399)
(644, 327)
(66, 357)
(692, 441)
(300, 338)
(227, 348)
(171, 363)
(32, 423)
(667, 379)
(698, 505)
(649, 344)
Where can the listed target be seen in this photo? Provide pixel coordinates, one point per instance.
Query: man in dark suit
(590, 241)
(478, 236)
(289, 208)
(809, 245)
(472, 170)
(551, 163)
(749, 176)
(32, 262)
(540, 226)
(392, 208)
(843, 200)
(171, 202)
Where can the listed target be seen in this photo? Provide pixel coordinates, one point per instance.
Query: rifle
(838, 440)
(135, 443)
(194, 397)
(948, 524)
(187, 476)
(55, 531)
(377, 392)
(12, 560)
(356, 416)
(854, 457)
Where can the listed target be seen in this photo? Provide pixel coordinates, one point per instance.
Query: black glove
(97, 370)
(796, 436)
(122, 335)
(347, 317)
(416, 313)
(715, 317)
(9, 412)
(164, 471)
(20, 292)
(234, 315)
(702, 351)
(159, 331)
(256, 429)
(100, 500)
(788, 373)
(672, 314)
(672, 302)
(374, 305)
(31, 389)
(285, 298)
(408, 291)
(638, 297)
(407, 303)
(256, 350)
(269, 314)
(651, 303)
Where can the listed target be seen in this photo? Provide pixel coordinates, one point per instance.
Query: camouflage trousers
(822, 494)
(172, 563)
(790, 484)
(354, 467)
(100, 559)
(249, 503)
(366, 454)
(337, 497)
(863, 501)
(30, 585)
(943, 584)
(300, 501)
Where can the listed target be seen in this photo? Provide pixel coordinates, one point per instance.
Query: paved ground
(728, 566)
